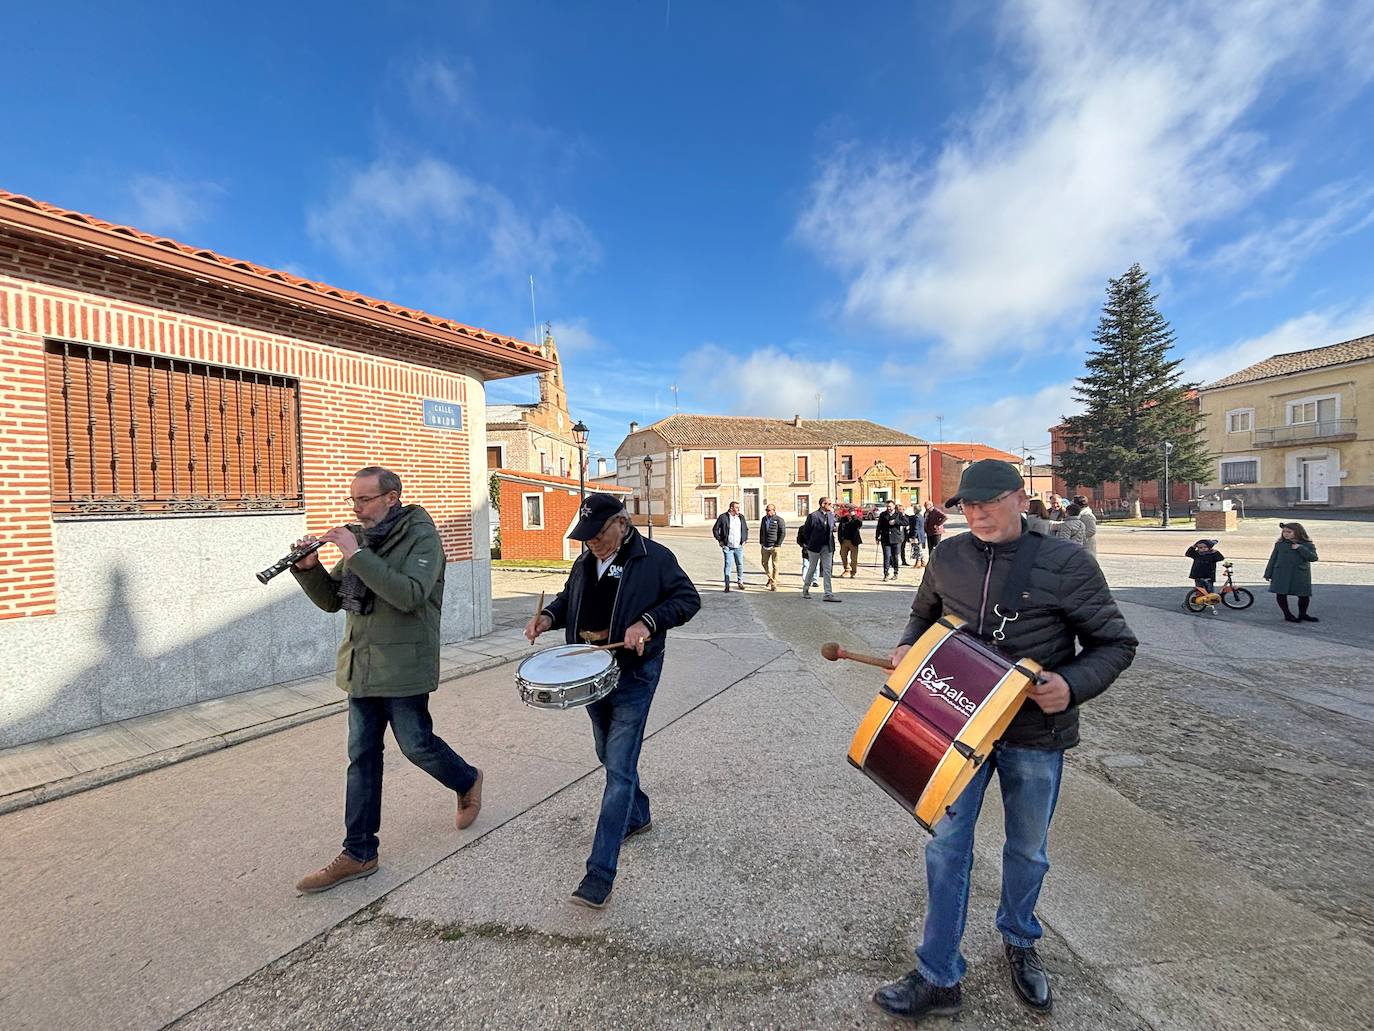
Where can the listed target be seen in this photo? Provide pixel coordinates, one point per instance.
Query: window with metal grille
(134, 434)
(1240, 472)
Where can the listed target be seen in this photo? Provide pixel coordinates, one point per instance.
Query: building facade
(1287, 431)
(173, 420)
(538, 512)
(949, 460)
(536, 437)
(698, 464)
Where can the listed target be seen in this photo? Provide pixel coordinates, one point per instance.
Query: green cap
(985, 480)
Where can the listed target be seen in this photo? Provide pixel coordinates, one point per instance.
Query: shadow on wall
(115, 663)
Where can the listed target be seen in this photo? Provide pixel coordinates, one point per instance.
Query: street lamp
(648, 497)
(579, 432)
(1168, 447)
(1030, 471)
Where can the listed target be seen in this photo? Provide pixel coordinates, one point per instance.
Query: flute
(289, 560)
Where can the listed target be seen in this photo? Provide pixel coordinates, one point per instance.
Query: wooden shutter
(752, 466)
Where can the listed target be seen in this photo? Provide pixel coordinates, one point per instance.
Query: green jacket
(1290, 569)
(393, 650)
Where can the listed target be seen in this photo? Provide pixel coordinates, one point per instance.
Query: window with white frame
(1241, 470)
(1317, 409)
(1242, 420)
(532, 507)
(803, 468)
(710, 471)
(750, 466)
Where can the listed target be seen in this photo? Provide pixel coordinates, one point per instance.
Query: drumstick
(538, 610)
(833, 651)
(596, 648)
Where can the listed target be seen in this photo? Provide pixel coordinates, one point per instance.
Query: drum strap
(1008, 610)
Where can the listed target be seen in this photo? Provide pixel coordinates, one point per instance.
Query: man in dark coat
(772, 531)
(731, 532)
(818, 534)
(623, 588)
(935, 526)
(891, 534)
(850, 533)
(391, 583)
(1065, 605)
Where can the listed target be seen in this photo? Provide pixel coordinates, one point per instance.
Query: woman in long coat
(1290, 570)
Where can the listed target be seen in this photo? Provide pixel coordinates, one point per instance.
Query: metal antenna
(818, 406)
(940, 419)
(674, 389)
(535, 316)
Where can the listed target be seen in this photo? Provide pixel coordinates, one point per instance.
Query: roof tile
(1300, 361)
(731, 431)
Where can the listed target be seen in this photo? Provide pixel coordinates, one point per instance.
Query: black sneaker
(1308, 619)
(592, 892)
(913, 997)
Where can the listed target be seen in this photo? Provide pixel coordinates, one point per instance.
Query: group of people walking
(821, 534)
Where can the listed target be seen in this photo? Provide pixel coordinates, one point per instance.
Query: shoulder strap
(1019, 577)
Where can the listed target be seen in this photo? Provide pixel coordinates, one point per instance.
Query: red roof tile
(561, 481)
(519, 349)
(975, 452)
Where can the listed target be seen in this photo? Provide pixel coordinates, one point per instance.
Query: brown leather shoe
(344, 868)
(470, 804)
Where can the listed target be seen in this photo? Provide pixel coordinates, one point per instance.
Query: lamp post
(579, 432)
(1030, 470)
(1168, 447)
(648, 497)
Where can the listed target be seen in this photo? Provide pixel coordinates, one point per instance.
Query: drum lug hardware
(889, 694)
(968, 753)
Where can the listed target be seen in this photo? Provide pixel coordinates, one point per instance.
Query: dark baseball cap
(985, 480)
(596, 511)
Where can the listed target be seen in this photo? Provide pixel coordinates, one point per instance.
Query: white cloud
(574, 337)
(432, 206)
(1016, 419)
(169, 204)
(1269, 257)
(436, 83)
(1124, 132)
(770, 383)
(1306, 331)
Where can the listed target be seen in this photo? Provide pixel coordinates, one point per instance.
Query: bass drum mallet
(834, 652)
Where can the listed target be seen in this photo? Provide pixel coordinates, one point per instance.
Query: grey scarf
(354, 595)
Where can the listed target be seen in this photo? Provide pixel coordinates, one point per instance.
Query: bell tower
(552, 392)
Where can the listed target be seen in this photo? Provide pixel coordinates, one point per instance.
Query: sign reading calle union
(443, 415)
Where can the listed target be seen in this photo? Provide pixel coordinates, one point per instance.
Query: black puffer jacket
(1067, 604)
(653, 588)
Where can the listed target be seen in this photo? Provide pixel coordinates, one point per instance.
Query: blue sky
(909, 211)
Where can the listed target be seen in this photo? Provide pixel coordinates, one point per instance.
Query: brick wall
(895, 458)
(360, 393)
(561, 503)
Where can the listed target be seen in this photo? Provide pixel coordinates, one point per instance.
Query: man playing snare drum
(1065, 601)
(624, 588)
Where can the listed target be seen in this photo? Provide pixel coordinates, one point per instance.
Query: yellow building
(1287, 432)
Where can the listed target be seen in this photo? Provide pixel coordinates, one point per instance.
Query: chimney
(600, 467)
(796, 420)
(634, 427)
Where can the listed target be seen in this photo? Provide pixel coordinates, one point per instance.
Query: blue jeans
(1030, 788)
(738, 555)
(413, 729)
(618, 731)
(890, 558)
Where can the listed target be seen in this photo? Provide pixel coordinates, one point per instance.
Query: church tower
(553, 395)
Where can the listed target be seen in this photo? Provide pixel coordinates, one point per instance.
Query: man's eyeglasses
(978, 506)
(370, 497)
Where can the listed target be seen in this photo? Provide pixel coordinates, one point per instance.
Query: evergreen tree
(1134, 400)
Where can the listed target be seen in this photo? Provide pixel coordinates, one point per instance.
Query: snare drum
(937, 718)
(554, 679)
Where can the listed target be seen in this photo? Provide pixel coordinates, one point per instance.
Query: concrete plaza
(1209, 866)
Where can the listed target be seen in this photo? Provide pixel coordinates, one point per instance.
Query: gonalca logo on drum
(941, 688)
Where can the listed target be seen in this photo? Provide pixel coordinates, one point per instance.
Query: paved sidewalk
(45, 770)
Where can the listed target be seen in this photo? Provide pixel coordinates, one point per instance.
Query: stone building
(698, 464)
(173, 420)
(1287, 431)
(535, 437)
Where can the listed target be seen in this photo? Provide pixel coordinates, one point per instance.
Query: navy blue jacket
(772, 531)
(653, 588)
(818, 532)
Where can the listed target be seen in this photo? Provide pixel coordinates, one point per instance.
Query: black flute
(289, 560)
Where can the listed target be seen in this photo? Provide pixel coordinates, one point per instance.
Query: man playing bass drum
(1065, 601)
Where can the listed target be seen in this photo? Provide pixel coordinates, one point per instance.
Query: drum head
(555, 666)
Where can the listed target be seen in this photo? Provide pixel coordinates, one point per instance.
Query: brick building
(948, 461)
(1109, 497)
(700, 463)
(173, 419)
(536, 437)
(537, 513)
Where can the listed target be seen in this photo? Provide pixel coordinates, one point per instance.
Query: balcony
(1327, 432)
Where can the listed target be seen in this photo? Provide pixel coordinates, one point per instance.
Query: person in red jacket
(935, 525)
